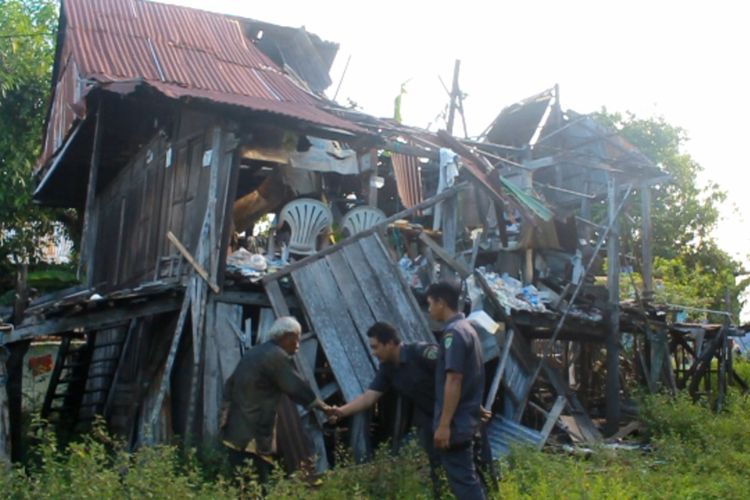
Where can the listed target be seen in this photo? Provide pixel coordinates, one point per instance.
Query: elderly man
(252, 393)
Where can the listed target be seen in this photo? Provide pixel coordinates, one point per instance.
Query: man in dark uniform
(252, 393)
(409, 370)
(459, 386)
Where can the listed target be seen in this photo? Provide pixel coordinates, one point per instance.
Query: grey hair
(282, 326)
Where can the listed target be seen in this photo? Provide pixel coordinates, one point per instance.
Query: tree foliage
(27, 44)
(689, 266)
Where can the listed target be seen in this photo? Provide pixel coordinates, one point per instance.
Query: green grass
(694, 453)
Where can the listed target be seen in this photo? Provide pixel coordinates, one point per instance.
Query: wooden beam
(612, 392)
(495, 385)
(245, 298)
(454, 96)
(445, 256)
(147, 425)
(99, 320)
(384, 223)
(198, 268)
(86, 261)
(552, 417)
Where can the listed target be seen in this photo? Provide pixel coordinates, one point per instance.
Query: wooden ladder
(81, 379)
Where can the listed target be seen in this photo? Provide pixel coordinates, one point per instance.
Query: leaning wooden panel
(368, 282)
(353, 296)
(334, 327)
(415, 328)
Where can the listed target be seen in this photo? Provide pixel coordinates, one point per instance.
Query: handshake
(334, 414)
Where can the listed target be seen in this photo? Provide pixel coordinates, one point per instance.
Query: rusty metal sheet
(181, 53)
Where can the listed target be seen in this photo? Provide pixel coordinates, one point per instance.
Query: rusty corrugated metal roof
(183, 52)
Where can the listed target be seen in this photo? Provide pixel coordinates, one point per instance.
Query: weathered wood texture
(342, 295)
(165, 187)
(221, 356)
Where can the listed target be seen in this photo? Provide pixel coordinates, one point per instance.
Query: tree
(690, 268)
(27, 44)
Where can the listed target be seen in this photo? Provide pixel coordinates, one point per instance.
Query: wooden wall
(163, 188)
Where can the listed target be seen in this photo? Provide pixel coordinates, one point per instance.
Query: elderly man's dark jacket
(252, 395)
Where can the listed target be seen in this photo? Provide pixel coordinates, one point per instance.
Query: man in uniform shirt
(409, 370)
(252, 394)
(459, 386)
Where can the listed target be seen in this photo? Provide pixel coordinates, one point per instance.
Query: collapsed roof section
(564, 155)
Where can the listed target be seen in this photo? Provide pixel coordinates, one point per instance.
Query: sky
(686, 61)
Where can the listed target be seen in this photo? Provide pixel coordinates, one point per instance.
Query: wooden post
(22, 292)
(647, 269)
(5, 430)
(586, 213)
(86, 262)
(14, 386)
(613, 339)
(454, 96)
(450, 206)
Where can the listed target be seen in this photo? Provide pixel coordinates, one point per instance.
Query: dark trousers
(426, 440)
(238, 458)
(458, 462)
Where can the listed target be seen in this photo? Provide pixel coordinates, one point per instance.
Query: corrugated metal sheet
(184, 52)
(503, 433)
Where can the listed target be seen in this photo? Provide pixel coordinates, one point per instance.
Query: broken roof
(184, 52)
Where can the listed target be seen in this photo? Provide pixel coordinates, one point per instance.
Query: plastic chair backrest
(307, 218)
(361, 218)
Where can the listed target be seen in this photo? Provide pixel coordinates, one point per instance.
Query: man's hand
(334, 414)
(223, 416)
(442, 438)
(484, 414)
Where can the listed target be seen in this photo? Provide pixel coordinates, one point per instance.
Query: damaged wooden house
(218, 189)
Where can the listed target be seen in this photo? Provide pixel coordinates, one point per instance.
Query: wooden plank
(366, 279)
(353, 297)
(212, 376)
(450, 224)
(497, 378)
(396, 292)
(552, 417)
(335, 330)
(443, 254)
(89, 214)
(225, 203)
(247, 298)
(267, 317)
(276, 297)
(612, 388)
(198, 323)
(227, 321)
(382, 224)
(198, 268)
(426, 332)
(98, 320)
(166, 373)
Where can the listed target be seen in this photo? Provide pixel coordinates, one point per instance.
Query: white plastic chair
(307, 219)
(361, 218)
